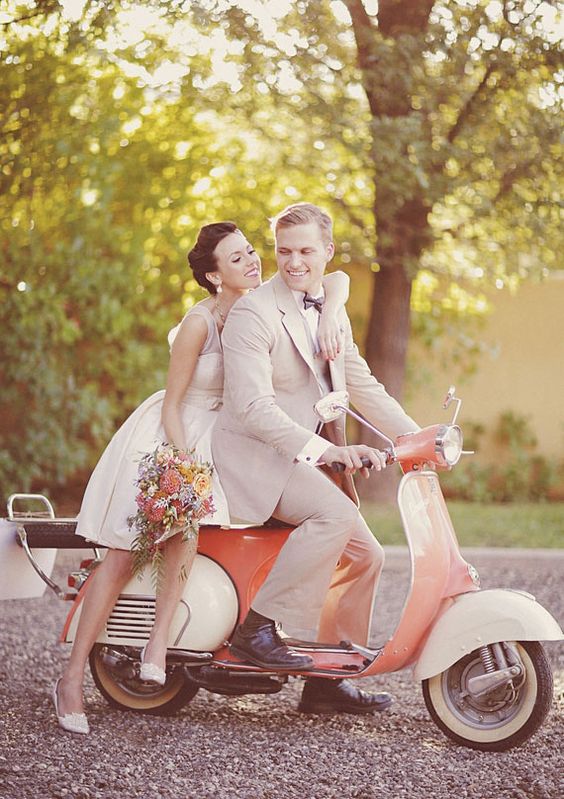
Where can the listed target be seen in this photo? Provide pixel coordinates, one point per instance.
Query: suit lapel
(293, 320)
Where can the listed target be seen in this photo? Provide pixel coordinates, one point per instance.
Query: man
(267, 451)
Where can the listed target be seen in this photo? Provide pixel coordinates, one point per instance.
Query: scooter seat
(52, 534)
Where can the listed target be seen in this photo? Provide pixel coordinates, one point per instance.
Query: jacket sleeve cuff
(313, 450)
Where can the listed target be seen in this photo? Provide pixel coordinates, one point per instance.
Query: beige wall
(525, 374)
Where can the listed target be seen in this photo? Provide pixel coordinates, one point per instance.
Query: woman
(226, 265)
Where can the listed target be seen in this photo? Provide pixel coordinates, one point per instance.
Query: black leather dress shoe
(256, 640)
(322, 695)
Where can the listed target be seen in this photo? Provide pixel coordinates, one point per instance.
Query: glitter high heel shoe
(71, 722)
(151, 673)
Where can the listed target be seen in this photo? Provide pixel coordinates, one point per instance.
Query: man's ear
(330, 250)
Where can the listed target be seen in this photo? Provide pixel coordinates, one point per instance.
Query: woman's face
(237, 263)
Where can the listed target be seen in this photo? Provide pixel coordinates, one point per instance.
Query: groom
(267, 448)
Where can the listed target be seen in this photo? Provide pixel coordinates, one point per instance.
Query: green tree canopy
(429, 129)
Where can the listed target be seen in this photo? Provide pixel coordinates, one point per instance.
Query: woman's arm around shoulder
(330, 333)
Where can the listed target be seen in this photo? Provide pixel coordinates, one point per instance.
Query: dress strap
(213, 333)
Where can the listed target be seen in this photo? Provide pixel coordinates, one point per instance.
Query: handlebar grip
(340, 467)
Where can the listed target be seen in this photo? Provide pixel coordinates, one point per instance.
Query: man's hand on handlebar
(352, 458)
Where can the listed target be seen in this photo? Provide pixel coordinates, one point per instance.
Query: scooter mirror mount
(332, 405)
(451, 397)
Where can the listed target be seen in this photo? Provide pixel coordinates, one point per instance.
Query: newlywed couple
(246, 368)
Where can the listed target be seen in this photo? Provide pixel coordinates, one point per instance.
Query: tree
(117, 144)
(103, 175)
(429, 129)
(458, 133)
(455, 119)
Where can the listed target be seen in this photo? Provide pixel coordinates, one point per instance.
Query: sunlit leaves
(123, 129)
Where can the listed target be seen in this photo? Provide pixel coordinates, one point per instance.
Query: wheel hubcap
(490, 710)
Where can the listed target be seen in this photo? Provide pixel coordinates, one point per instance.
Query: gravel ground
(259, 747)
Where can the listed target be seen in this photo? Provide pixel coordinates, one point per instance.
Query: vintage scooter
(487, 682)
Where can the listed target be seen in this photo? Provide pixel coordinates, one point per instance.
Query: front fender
(483, 617)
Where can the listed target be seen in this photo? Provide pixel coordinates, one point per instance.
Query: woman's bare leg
(107, 582)
(178, 559)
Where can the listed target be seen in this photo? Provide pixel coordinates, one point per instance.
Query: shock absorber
(487, 659)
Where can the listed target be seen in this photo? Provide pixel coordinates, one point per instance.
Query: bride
(224, 263)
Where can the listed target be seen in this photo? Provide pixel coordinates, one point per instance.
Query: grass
(483, 525)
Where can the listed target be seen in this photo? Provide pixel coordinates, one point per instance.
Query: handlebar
(340, 467)
(366, 462)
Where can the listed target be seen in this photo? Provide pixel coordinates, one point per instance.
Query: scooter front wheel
(501, 719)
(116, 674)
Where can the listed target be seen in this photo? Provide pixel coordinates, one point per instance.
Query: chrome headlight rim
(444, 439)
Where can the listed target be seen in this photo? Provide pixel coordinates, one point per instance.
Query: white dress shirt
(315, 447)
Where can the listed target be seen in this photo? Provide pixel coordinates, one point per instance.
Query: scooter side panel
(472, 620)
(247, 554)
(205, 617)
(18, 579)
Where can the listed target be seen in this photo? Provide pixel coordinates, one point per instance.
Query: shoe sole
(324, 709)
(271, 666)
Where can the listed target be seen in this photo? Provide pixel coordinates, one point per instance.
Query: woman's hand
(330, 336)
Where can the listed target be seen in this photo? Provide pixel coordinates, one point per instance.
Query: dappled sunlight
(127, 130)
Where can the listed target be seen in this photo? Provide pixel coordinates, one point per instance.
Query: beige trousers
(324, 579)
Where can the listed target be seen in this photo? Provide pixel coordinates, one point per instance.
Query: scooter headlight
(448, 444)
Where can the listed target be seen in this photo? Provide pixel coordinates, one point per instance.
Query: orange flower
(186, 471)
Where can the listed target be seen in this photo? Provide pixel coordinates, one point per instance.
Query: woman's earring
(218, 288)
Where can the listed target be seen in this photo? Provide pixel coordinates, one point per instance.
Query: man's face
(302, 255)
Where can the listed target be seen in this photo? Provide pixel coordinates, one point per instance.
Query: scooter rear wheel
(116, 675)
(500, 720)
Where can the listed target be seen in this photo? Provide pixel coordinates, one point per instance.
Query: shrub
(520, 473)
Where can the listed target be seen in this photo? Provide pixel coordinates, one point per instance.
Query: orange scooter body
(438, 572)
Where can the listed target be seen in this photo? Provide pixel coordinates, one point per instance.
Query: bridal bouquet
(175, 492)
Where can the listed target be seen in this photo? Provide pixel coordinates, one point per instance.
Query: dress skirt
(109, 498)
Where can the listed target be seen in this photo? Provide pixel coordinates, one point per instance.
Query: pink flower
(170, 482)
(154, 511)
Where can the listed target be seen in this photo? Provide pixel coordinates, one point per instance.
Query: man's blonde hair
(303, 214)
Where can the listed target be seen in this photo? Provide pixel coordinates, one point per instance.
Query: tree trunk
(403, 232)
(388, 328)
(386, 353)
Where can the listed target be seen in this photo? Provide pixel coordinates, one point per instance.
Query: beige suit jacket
(270, 389)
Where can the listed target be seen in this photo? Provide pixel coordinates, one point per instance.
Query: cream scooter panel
(204, 620)
(460, 629)
(18, 578)
(23, 575)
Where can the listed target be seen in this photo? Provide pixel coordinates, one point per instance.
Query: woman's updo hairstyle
(202, 256)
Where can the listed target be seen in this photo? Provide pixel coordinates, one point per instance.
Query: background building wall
(524, 372)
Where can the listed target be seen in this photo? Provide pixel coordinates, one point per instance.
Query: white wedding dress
(109, 498)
